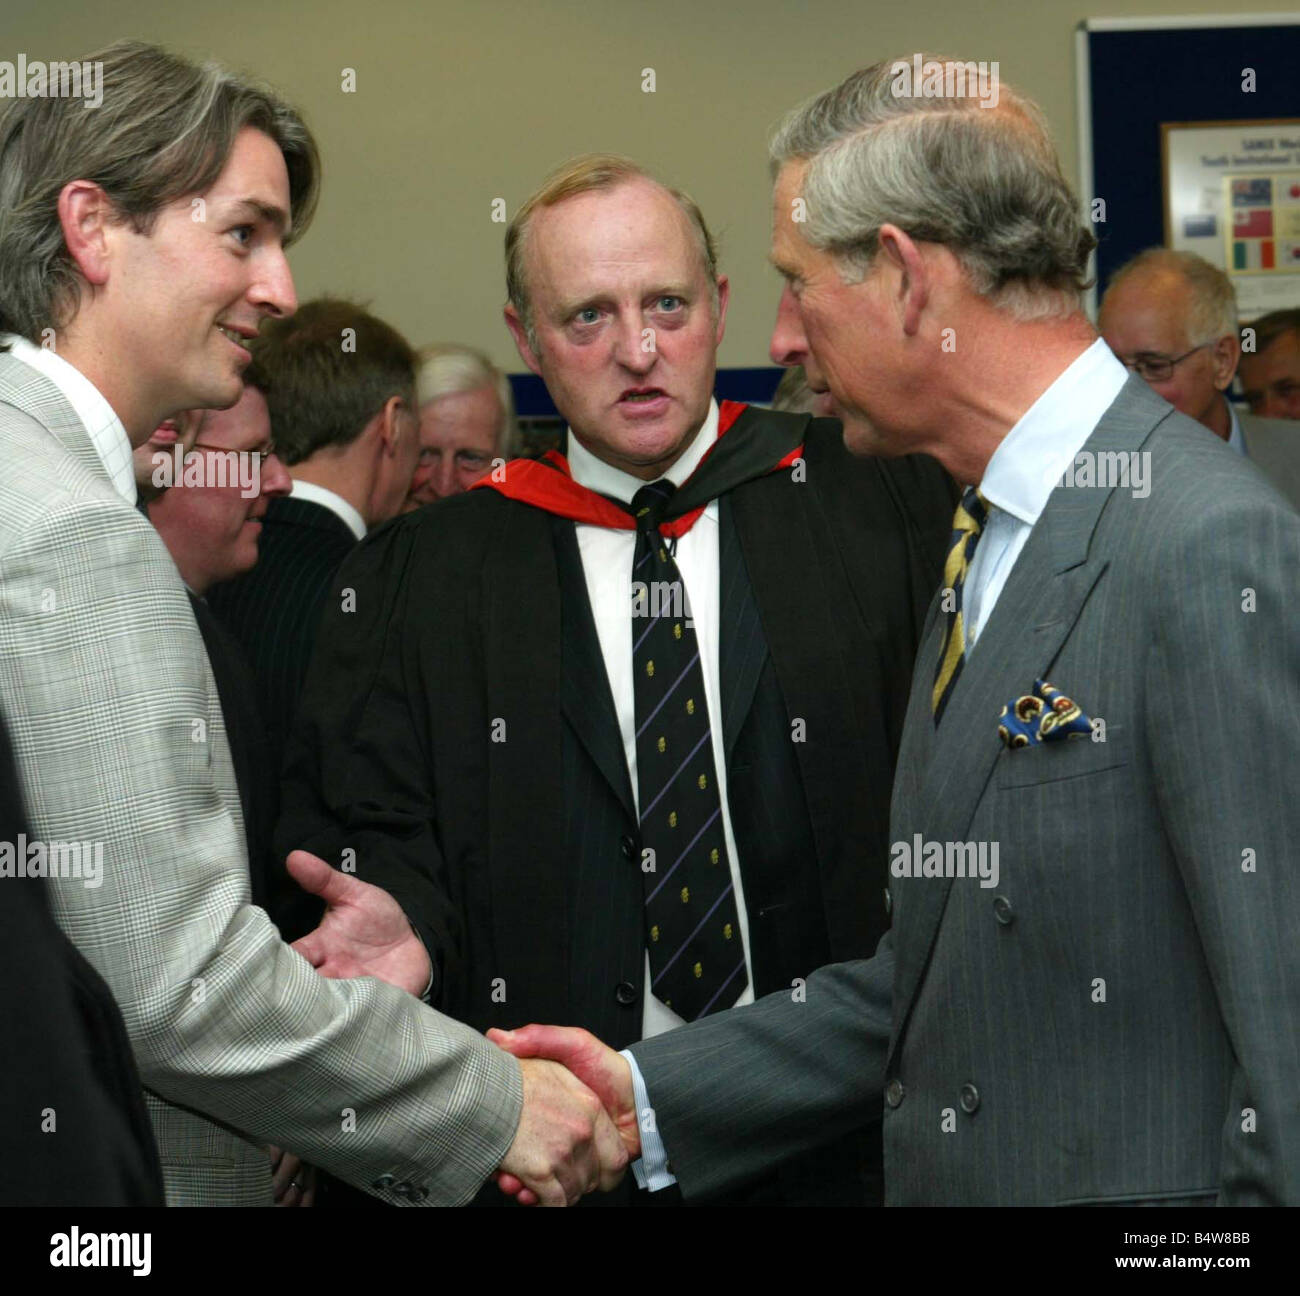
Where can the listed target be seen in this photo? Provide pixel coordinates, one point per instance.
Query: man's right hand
(600, 1069)
(565, 1146)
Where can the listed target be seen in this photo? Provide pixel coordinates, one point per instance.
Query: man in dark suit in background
(1270, 371)
(73, 1125)
(630, 767)
(340, 388)
(1090, 991)
(211, 519)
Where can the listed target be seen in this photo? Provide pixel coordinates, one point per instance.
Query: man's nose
(445, 481)
(275, 477)
(273, 292)
(789, 346)
(636, 346)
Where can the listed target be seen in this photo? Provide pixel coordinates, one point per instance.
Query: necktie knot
(650, 502)
(972, 512)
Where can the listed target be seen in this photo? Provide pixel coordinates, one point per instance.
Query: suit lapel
(943, 773)
(585, 695)
(30, 391)
(742, 649)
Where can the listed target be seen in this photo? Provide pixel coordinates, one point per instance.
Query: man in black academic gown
(618, 729)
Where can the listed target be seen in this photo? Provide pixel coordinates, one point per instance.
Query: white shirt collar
(599, 476)
(322, 495)
(1236, 438)
(1033, 457)
(107, 435)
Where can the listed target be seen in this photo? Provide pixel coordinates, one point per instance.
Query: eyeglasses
(1158, 368)
(261, 456)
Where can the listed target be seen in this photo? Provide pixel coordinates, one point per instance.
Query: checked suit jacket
(458, 736)
(119, 739)
(1118, 1020)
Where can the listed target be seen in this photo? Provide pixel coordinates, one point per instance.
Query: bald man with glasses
(1171, 317)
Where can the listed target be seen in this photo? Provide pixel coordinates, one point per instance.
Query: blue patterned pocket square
(1045, 715)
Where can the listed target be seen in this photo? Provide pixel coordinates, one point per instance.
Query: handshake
(578, 1129)
(579, 1126)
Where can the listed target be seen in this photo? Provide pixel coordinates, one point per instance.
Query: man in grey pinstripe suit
(141, 280)
(1109, 1012)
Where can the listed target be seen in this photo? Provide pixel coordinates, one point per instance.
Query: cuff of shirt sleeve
(426, 995)
(651, 1171)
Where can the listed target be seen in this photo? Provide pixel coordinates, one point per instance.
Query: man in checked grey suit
(1105, 1007)
(141, 242)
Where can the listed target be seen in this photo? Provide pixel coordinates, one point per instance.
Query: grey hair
(164, 130)
(448, 369)
(983, 181)
(1214, 300)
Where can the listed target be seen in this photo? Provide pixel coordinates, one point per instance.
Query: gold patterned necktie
(967, 525)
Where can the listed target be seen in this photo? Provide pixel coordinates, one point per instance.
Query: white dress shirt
(607, 564)
(1023, 471)
(97, 416)
(322, 495)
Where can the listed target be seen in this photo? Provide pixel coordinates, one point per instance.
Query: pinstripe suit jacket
(1117, 1020)
(119, 740)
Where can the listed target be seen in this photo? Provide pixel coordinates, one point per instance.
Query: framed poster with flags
(1232, 195)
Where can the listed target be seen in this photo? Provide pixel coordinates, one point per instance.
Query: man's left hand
(364, 931)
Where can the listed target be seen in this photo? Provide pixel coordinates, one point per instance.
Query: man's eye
(587, 315)
(473, 460)
(246, 230)
(427, 457)
(669, 303)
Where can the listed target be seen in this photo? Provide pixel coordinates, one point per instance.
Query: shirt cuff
(651, 1170)
(426, 995)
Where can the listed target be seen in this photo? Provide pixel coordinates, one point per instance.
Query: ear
(914, 279)
(85, 215)
(1224, 355)
(520, 335)
(724, 295)
(390, 424)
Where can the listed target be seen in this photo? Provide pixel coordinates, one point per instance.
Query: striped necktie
(967, 525)
(697, 956)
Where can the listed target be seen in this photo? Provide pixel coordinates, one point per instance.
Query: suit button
(889, 902)
(418, 1192)
(384, 1181)
(628, 847)
(894, 1092)
(970, 1099)
(625, 993)
(1003, 911)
